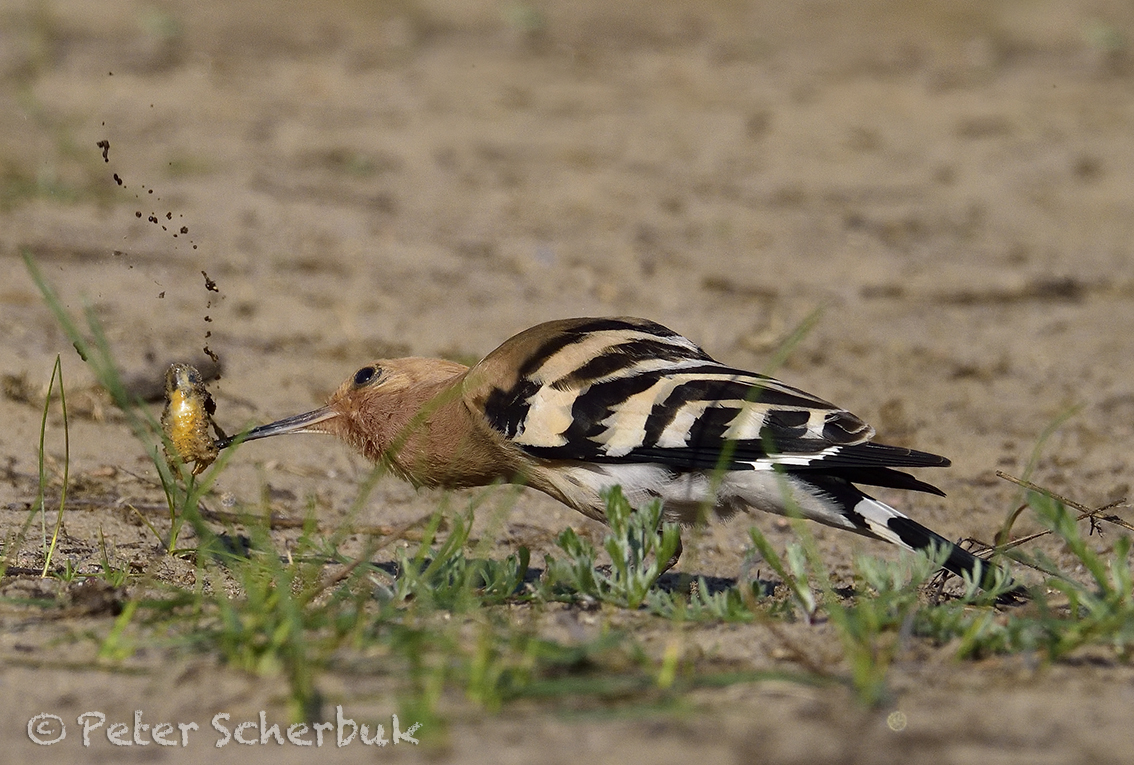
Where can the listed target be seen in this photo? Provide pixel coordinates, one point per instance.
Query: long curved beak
(299, 423)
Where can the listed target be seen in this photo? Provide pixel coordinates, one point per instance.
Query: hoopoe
(577, 406)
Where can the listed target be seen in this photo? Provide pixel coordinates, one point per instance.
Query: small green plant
(287, 616)
(638, 544)
(444, 578)
(877, 621)
(794, 573)
(1103, 612)
(117, 646)
(739, 603)
(113, 575)
(49, 547)
(266, 630)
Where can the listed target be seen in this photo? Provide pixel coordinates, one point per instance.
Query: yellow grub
(186, 419)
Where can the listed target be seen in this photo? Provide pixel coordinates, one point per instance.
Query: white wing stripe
(796, 460)
(548, 418)
(626, 426)
(676, 433)
(573, 356)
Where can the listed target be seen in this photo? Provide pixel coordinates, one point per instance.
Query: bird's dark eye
(365, 376)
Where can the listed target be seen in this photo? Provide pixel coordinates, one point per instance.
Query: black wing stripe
(709, 429)
(677, 459)
(787, 423)
(712, 422)
(598, 403)
(880, 455)
(874, 463)
(507, 410)
(665, 412)
(753, 388)
(547, 350)
(580, 332)
(625, 357)
(883, 476)
(842, 427)
(731, 392)
(735, 455)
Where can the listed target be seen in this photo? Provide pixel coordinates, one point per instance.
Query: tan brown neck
(425, 432)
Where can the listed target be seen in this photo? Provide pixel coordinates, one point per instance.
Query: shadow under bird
(577, 406)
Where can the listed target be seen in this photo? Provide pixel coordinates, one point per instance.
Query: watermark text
(222, 730)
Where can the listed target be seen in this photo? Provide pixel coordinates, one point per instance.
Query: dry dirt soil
(951, 184)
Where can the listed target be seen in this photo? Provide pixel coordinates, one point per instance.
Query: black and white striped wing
(628, 390)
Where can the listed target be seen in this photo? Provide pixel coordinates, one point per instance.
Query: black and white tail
(846, 506)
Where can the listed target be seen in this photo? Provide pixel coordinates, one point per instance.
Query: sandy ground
(951, 183)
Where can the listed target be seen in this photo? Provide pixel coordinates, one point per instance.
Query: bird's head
(378, 409)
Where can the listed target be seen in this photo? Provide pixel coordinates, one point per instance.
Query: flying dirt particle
(117, 179)
(138, 214)
(210, 285)
(153, 219)
(151, 191)
(209, 319)
(184, 229)
(209, 352)
(169, 216)
(105, 146)
(161, 295)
